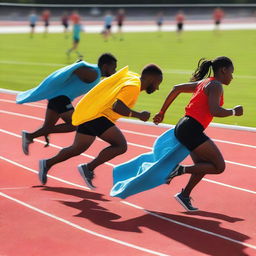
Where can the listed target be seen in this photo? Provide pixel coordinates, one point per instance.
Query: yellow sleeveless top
(98, 101)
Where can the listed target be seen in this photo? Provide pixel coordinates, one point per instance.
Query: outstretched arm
(177, 89)
(214, 93)
(120, 108)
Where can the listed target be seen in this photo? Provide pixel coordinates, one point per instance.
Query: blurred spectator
(64, 21)
(218, 15)
(160, 21)
(120, 20)
(180, 17)
(108, 19)
(77, 28)
(75, 17)
(46, 19)
(32, 22)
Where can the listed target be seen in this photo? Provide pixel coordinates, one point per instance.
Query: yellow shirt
(123, 85)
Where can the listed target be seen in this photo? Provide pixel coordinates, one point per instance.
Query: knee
(122, 148)
(220, 167)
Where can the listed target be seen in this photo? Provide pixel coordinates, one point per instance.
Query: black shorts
(190, 133)
(217, 22)
(95, 127)
(180, 26)
(108, 27)
(60, 104)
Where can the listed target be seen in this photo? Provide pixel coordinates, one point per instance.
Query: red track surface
(68, 219)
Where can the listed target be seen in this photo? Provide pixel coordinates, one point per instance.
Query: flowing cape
(103, 95)
(149, 170)
(61, 82)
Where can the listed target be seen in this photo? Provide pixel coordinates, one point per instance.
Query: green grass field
(24, 62)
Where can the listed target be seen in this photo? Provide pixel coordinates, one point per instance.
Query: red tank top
(198, 107)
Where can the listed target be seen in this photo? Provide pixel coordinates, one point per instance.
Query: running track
(65, 218)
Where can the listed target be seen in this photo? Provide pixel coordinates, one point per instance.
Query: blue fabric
(76, 31)
(149, 170)
(61, 82)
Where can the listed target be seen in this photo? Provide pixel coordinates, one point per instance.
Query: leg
(209, 159)
(118, 146)
(194, 178)
(81, 143)
(51, 118)
(64, 127)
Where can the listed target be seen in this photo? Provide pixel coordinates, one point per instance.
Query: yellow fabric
(98, 102)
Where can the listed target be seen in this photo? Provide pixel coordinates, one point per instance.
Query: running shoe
(178, 170)
(42, 174)
(185, 202)
(25, 142)
(87, 175)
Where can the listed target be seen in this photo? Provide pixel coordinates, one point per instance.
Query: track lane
(159, 195)
(84, 208)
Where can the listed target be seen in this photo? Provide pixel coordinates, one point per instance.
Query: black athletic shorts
(190, 133)
(95, 127)
(60, 104)
(180, 26)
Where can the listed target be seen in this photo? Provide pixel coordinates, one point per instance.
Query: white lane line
(80, 227)
(189, 226)
(141, 208)
(229, 186)
(14, 188)
(36, 172)
(112, 165)
(26, 104)
(52, 145)
(131, 132)
(133, 144)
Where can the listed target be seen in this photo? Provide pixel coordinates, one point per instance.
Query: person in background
(65, 23)
(96, 114)
(77, 28)
(180, 17)
(218, 15)
(206, 103)
(46, 19)
(120, 20)
(160, 21)
(32, 22)
(108, 19)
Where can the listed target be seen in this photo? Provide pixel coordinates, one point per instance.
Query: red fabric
(198, 107)
(75, 18)
(180, 18)
(218, 14)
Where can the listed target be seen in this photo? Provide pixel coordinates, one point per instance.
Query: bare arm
(86, 74)
(177, 89)
(214, 94)
(120, 108)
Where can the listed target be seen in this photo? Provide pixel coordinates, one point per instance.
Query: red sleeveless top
(198, 107)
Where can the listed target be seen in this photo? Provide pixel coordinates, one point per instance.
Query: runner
(60, 88)
(96, 115)
(206, 103)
